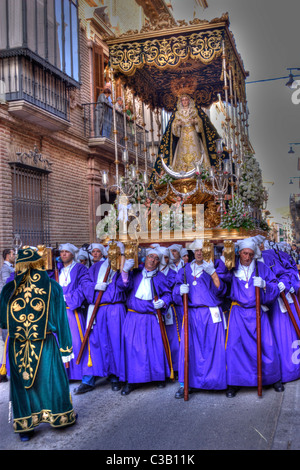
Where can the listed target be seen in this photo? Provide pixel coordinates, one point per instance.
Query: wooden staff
(56, 274)
(258, 332)
(186, 343)
(294, 297)
(287, 306)
(162, 329)
(92, 319)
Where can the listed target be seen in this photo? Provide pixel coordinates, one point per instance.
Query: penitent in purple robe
(207, 366)
(74, 297)
(173, 320)
(104, 346)
(241, 342)
(282, 326)
(143, 358)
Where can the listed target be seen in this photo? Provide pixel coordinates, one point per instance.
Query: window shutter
(98, 63)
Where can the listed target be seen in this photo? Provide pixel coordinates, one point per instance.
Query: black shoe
(161, 384)
(278, 386)
(180, 392)
(83, 388)
(25, 436)
(231, 391)
(3, 378)
(115, 386)
(128, 388)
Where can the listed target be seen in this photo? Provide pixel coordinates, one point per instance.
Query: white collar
(245, 272)
(197, 269)
(179, 265)
(146, 274)
(64, 276)
(144, 290)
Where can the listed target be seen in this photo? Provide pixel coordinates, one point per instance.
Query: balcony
(35, 94)
(99, 130)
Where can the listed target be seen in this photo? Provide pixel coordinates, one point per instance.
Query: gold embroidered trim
(44, 416)
(68, 350)
(27, 329)
(39, 264)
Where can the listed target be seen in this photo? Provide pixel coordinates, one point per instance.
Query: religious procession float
(204, 183)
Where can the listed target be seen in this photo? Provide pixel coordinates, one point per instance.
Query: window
(67, 51)
(48, 28)
(30, 201)
(15, 18)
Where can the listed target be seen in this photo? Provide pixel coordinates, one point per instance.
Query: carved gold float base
(215, 235)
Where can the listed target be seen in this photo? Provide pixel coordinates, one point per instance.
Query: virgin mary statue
(188, 128)
(189, 135)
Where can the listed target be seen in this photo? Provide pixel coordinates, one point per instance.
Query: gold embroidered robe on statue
(187, 126)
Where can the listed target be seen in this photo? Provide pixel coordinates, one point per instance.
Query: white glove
(259, 282)
(292, 290)
(158, 304)
(101, 286)
(129, 263)
(281, 286)
(122, 248)
(208, 267)
(184, 289)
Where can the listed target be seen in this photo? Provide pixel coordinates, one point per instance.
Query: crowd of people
(136, 336)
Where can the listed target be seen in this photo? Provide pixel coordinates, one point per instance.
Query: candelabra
(133, 182)
(17, 244)
(219, 176)
(128, 184)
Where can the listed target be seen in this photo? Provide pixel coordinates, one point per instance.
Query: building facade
(53, 58)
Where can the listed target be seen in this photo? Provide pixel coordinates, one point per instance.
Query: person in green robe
(33, 310)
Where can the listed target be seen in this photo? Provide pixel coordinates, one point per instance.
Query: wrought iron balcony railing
(24, 79)
(99, 123)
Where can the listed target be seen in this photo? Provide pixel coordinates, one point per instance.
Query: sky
(267, 37)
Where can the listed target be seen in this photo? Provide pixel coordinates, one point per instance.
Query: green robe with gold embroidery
(34, 312)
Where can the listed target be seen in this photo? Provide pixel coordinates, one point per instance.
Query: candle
(219, 146)
(104, 178)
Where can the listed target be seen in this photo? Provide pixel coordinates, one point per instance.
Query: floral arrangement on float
(251, 187)
(237, 216)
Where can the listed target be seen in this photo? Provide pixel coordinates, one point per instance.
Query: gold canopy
(158, 63)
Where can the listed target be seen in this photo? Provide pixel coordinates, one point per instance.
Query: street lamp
(293, 178)
(290, 81)
(291, 146)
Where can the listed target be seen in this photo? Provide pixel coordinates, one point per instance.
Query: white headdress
(175, 247)
(196, 245)
(251, 244)
(165, 252)
(68, 247)
(99, 246)
(154, 251)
